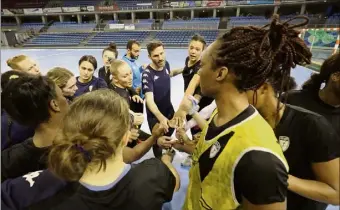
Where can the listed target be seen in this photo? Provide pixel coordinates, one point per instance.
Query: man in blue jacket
(131, 56)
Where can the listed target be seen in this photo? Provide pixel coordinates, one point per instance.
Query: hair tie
(14, 77)
(82, 150)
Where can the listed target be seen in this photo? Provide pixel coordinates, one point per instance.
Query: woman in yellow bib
(238, 163)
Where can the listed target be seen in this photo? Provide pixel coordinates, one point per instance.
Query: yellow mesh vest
(217, 189)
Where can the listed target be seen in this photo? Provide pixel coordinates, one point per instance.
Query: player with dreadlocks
(237, 161)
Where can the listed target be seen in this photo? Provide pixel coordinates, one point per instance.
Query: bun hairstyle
(255, 54)
(112, 48)
(60, 76)
(329, 66)
(9, 75)
(13, 62)
(26, 98)
(92, 131)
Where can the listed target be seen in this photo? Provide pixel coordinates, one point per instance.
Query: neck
(229, 105)
(156, 67)
(117, 85)
(45, 134)
(329, 97)
(84, 81)
(114, 168)
(191, 63)
(128, 56)
(269, 111)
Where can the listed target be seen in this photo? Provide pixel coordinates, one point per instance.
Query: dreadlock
(254, 54)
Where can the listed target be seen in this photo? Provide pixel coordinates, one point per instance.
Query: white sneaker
(187, 162)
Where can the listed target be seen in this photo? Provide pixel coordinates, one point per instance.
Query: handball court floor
(68, 58)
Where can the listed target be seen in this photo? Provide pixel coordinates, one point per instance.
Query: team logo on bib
(90, 88)
(284, 142)
(215, 149)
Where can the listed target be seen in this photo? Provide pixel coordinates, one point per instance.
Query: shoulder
(268, 181)
(31, 188)
(152, 180)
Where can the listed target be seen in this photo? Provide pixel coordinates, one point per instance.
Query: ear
(222, 73)
(335, 77)
(264, 89)
(54, 105)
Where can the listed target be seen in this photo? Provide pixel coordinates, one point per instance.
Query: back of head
(329, 66)
(92, 131)
(13, 62)
(115, 66)
(8, 75)
(26, 99)
(130, 43)
(112, 48)
(254, 54)
(60, 76)
(153, 45)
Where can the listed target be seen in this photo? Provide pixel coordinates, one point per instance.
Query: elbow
(335, 200)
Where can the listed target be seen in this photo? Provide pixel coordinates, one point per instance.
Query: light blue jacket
(137, 73)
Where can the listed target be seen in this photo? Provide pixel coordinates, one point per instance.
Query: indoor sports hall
(59, 33)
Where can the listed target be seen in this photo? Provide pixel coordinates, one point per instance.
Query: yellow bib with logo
(215, 190)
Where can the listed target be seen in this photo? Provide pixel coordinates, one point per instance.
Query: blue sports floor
(68, 58)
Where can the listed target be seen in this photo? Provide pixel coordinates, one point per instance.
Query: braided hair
(255, 54)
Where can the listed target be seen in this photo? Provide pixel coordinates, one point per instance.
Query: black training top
(188, 74)
(146, 186)
(305, 138)
(256, 168)
(311, 101)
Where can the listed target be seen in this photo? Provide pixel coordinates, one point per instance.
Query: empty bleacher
(79, 3)
(132, 4)
(144, 24)
(119, 37)
(196, 23)
(182, 38)
(57, 39)
(31, 26)
(67, 26)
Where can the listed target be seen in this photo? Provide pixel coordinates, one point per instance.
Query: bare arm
(152, 106)
(176, 72)
(166, 159)
(325, 189)
(194, 83)
(189, 149)
(132, 154)
(249, 206)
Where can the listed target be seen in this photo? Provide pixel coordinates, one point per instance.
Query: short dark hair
(153, 45)
(89, 58)
(131, 42)
(26, 99)
(198, 38)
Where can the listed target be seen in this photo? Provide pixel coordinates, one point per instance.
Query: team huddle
(71, 142)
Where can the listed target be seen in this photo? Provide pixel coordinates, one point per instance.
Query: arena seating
(196, 23)
(119, 37)
(182, 37)
(31, 26)
(75, 3)
(144, 24)
(67, 26)
(131, 4)
(54, 39)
